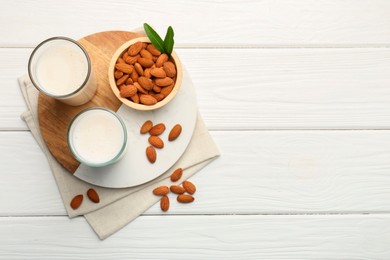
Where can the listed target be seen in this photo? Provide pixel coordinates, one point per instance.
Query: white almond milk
(97, 137)
(59, 68)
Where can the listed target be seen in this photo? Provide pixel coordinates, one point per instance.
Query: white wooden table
(297, 97)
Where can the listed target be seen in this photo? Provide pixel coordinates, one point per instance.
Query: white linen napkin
(117, 207)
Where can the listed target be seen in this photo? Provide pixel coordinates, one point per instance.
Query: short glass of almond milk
(60, 68)
(97, 137)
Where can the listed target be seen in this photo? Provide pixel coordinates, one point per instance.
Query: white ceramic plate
(134, 168)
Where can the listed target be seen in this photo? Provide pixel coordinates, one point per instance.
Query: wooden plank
(213, 237)
(259, 172)
(262, 88)
(204, 23)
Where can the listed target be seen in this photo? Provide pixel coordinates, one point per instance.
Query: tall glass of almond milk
(97, 137)
(60, 68)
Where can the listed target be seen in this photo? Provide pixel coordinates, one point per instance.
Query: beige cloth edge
(118, 206)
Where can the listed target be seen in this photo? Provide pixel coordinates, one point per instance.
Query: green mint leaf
(154, 38)
(168, 41)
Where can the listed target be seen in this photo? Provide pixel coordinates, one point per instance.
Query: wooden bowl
(179, 76)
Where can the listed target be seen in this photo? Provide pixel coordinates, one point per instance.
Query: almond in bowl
(142, 77)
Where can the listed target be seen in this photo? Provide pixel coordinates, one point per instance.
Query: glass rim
(53, 39)
(116, 157)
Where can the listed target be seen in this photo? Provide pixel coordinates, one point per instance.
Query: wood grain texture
(201, 237)
(204, 23)
(259, 172)
(55, 116)
(278, 88)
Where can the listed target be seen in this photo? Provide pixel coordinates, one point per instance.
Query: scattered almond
(146, 127)
(189, 187)
(76, 201)
(161, 191)
(164, 203)
(157, 129)
(93, 195)
(184, 198)
(176, 175)
(175, 132)
(177, 189)
(151, 154)
(156, 141)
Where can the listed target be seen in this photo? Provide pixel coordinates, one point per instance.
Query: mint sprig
(165, 46)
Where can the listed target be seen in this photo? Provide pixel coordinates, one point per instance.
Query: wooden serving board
(54, 116)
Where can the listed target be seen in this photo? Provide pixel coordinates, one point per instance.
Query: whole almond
(147, 100)
(153, 50)
(125, 68)
(147, 73)
(134, 76)
(164, 203)
(151, 154)
(135, 48)
(156, 89)
(175, 132)
(176, 175)
(166, 91)
(161, 191)
(177, 189)
(169, 69)
(189, 187)
(122, 80)
(146, 127)
(139, 88)
(120, 60)
(138, 68)
(146, 63)
(135, 98)
(132, 60)
(93, 195)
(76, 201)
(158, 97)
(144, 45)
(128, 91)
(158, 73)
(164, 82)
(157, 129)
(146, 54)
(161, 59)
(156, 141)
(184, 198)
(125, 55)
(129, 81)
(118, 74)
(145, 83)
